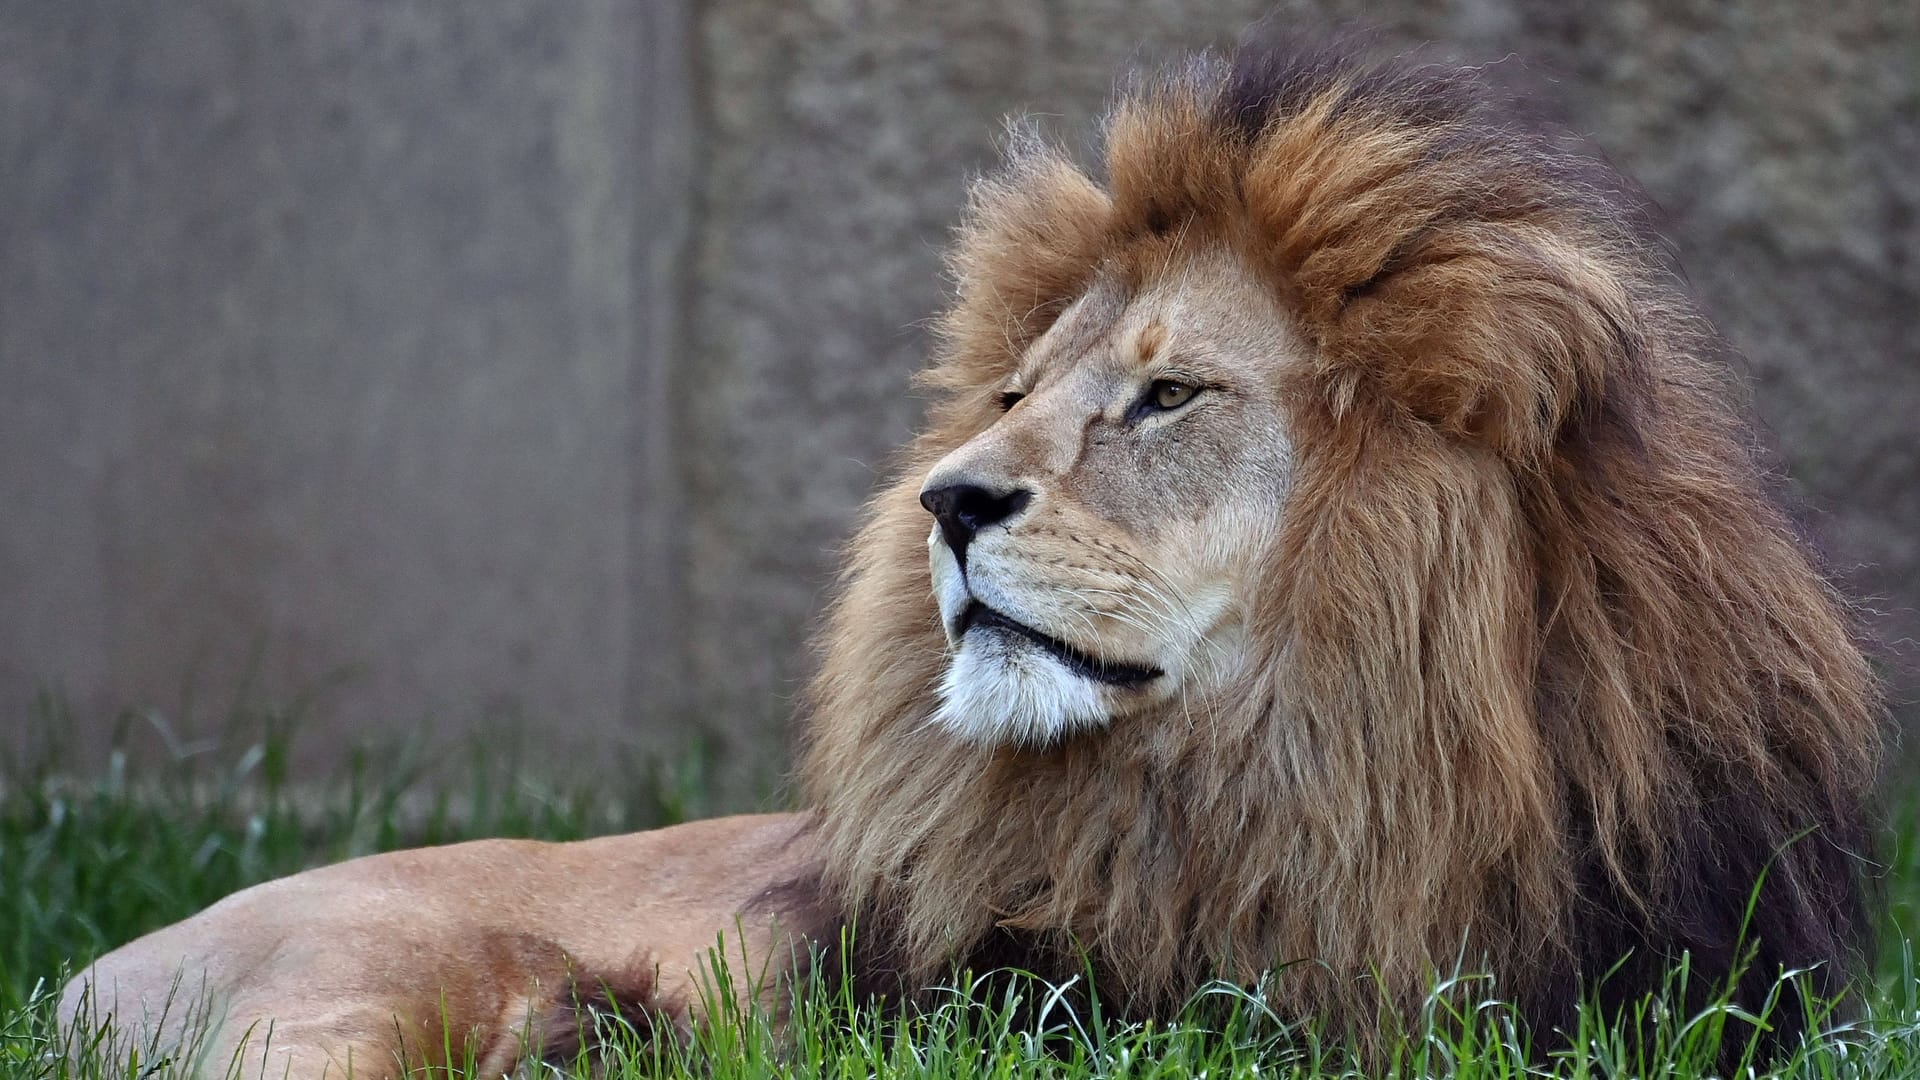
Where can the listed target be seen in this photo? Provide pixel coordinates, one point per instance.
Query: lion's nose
(964, 509)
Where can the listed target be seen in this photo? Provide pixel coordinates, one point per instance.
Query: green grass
(89, 862)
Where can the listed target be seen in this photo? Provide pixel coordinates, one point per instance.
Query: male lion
(1339, 551)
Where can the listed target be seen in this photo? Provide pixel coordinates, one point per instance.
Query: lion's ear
(1028, 244)
(1507, 335)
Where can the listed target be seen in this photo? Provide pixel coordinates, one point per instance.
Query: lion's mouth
(1112, 672)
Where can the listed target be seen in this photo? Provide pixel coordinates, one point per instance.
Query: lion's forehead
(1204, 304)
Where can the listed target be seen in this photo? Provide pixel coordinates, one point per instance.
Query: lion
(1330, 553)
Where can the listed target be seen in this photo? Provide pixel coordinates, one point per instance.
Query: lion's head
(1329, 543)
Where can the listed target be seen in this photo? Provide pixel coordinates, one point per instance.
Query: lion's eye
(1007, 399)
(1170, 394)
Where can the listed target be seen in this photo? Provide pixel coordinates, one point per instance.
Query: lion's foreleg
(482, 953)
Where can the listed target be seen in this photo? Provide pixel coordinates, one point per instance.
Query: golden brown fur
(1540, 675)
(1520, 667)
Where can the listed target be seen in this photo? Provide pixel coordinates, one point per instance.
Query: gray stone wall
(536, 357)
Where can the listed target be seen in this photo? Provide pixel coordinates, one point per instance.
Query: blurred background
(454, 364)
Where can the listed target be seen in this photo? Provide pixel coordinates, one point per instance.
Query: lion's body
(1434, 614)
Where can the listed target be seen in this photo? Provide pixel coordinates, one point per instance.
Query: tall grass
(89, 862)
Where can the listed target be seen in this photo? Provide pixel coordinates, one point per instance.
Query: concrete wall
(470, 344)
(324, 336)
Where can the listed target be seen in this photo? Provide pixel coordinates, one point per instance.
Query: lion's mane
(1544, 679)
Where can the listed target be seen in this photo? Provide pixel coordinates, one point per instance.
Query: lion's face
(1091, 547)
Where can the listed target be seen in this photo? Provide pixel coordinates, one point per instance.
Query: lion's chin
(1000, 690)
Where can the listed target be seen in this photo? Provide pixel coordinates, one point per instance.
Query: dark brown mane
(1544, 678)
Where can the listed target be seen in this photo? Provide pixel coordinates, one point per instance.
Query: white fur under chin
(1000, 690)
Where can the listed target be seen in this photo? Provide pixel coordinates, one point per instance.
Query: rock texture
(536, 358)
